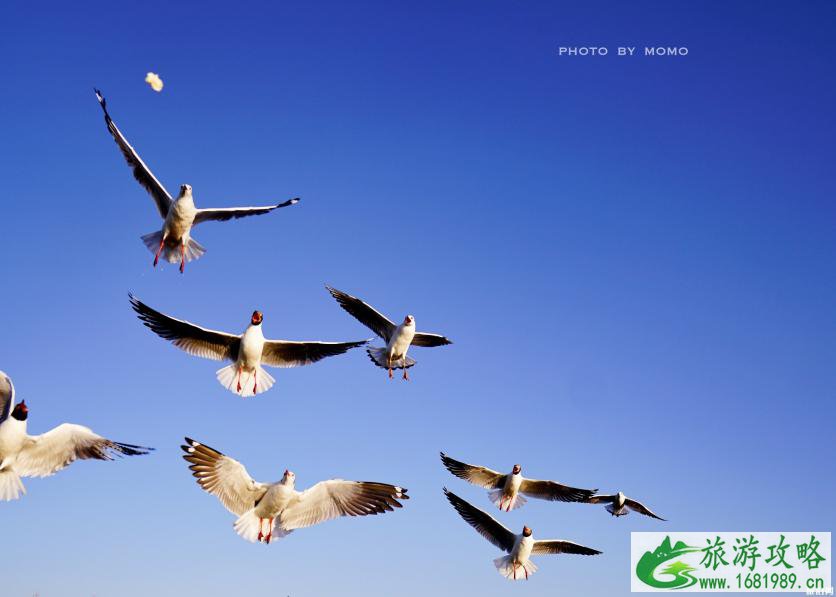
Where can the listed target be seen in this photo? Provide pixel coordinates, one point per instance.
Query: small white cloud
(154, 81)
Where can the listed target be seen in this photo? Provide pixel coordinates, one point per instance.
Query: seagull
(267, 508)
(620, 505)
(507, 488)
(398, 338)
(519, 547)
(174, 241)
(247, 351)
(24, 455)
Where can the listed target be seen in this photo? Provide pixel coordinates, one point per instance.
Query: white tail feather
(249, 525)
(612, 510)
(259, 378)
(10, 485)
(497, 498)
(378, 356)
(505, 566)
(171, 253)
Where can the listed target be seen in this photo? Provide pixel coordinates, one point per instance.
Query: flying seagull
(398, 338)
(248, 351)
(265, 509)
(620, 505)
(174, 241)
(24, 455)
(508, 487)
(518, 547)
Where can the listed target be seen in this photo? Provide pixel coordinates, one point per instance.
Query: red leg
(508, 505)
(501, 502)
(269, 530)
(255, 381)
(260, 534)
(182, 258)
(515, 570)
(160, 250)
(239, 380)
(526, 572)
(405, 374)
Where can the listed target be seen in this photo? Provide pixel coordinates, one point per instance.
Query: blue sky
(634, 258)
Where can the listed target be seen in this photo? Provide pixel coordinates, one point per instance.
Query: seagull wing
(424, 339)
(186, 336)
(601, 499)
(559, 546)
(284, 353)
(142, 174)
(640, 508)
(7, 396)
(365, 314)
(228, 213)
(334, 498)
(554, 491)
(44, 455)
(478, 475)
(484, 523)
(223, 477)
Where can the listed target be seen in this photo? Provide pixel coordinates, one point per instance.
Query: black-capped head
(526, 532)
(517, 469)
(257, 318)
(20, 411)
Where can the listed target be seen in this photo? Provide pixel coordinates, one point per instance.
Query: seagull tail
(171, 253)
(505, 566)
(252, 383)
(611, 509)
(496, 497)
(378, 357)
(10, 485)
(249, 525)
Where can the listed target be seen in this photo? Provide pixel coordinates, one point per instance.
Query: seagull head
(288, 477)
(526, 532)
(185, 189)
(21, 411)
(409, 320)
(257, 318)
(517, 469)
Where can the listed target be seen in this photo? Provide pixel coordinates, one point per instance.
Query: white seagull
(398, 338)
(265, 509)
(24, 455)
(518, 547)
(247, 351)
(174, 241)
(619, 504)
(508, 487)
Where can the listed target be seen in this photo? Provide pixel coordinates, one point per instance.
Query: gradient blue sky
(634, 257)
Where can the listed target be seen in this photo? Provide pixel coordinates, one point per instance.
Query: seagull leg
(405, 374)
(526, 572)
(389, 363)
(508, 505)
(269, 530)
(255, 381)
(157, 254)
(239, 380)
(182, 258)
(501, 502)
(260, 534)
(515, 570)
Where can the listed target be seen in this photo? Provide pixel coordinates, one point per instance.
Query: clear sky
(633, 256)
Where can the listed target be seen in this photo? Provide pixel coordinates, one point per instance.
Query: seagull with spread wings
(619, 504)
(398, 338)
(247, 351)
(24, 455)
(174, 241)
(265, 509)
(518, 547)
(506, 488)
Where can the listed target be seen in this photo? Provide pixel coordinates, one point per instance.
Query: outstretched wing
(186, 336)
(484, 523)
(142, 174)
(365, 314)
(334, 498)
(640, 508)
(424, 339)
(224, 214)
(7, 396)
(554, 491)
(601, 499)
(284, 353)
(44, 455)
(223, 477)
(558, 546)
(478, 475)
